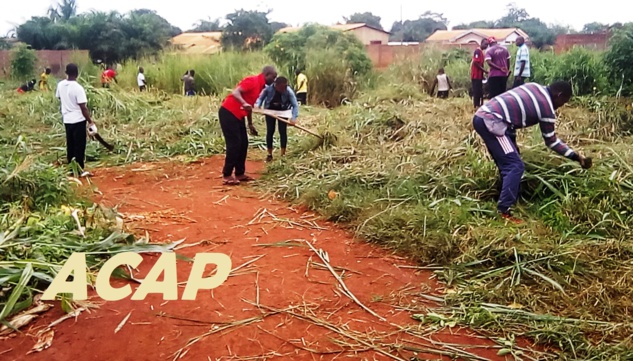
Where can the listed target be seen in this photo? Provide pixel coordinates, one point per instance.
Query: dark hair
(72, 70)
(298, 71)
(192, 72)
(562, 88)
(48, 70)
(281, 80)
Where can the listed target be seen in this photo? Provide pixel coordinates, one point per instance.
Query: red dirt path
(187, 201)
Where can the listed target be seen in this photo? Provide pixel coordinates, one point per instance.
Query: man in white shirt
(522, 65)
(140, 79)
(75, 114)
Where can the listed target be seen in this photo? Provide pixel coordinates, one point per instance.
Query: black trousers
(141, 88)
(236, 140)
(497, 85)
(302, 98)
(518, 81)
(270, 132)
(442, 94)
(76, 142)
(478, 92)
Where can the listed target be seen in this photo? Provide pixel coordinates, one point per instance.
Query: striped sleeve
(548, 130)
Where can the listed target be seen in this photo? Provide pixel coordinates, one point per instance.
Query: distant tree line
(114, 37)
(541, 34)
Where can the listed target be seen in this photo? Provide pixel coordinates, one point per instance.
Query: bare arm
(237, 94)
(86, 113)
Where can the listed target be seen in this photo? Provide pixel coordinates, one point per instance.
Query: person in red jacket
(107, 77)
(235, 108)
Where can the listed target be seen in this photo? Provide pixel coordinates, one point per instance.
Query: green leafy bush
(23, 61)
(342, 55)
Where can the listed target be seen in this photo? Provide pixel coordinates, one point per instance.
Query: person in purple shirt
(498, 59)
(521, 107)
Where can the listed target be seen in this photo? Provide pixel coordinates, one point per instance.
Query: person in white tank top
(443, 84)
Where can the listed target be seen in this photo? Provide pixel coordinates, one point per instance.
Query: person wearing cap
(522, 107)
(75, 115)
(498, 60)
(522, 65)
(477, 72)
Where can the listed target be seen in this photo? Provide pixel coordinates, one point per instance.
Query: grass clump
(412, 176)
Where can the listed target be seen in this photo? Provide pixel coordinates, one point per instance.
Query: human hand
(247, 107)
(585, 162)
(251, 127)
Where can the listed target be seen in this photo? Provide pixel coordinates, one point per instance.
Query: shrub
(618, 60)
(342, 55)
(23, 62)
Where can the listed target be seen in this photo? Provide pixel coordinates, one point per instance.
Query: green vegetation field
(410, 173)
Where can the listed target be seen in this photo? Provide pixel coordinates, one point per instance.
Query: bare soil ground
(280, 301)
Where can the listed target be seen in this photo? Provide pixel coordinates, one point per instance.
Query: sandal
(245, 178)
(230, 182)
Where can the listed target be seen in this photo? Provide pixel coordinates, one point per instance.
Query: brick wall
(54, 59)
(382, 55)
(591, 41)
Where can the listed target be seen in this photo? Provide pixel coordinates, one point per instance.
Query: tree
(481, 24)
(4, 44)
(203, 26)
(366, 17)
(276, 26)
(65, 10)
(109, 37)
(514, 16)
(41, 33)
(247, 30)
(595, 27)
(420, 29)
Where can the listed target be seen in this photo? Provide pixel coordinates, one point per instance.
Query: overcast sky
(183, 13)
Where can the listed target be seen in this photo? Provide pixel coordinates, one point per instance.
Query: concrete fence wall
(591, 41)
(54, 59)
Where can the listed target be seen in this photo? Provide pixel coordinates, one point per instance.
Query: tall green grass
(215, 74)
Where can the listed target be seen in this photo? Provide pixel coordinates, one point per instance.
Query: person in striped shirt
(524, 106)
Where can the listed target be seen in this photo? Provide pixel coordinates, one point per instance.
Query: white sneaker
(86, 174)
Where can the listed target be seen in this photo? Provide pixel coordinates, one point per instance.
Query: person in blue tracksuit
(278, 96)
(521, 107)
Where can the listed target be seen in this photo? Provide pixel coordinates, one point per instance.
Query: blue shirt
(288, 99)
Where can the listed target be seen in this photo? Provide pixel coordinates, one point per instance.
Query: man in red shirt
(235, 108)
(107, 76)
(477, 72)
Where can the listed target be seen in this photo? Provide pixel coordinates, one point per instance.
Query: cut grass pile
(408, 173)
